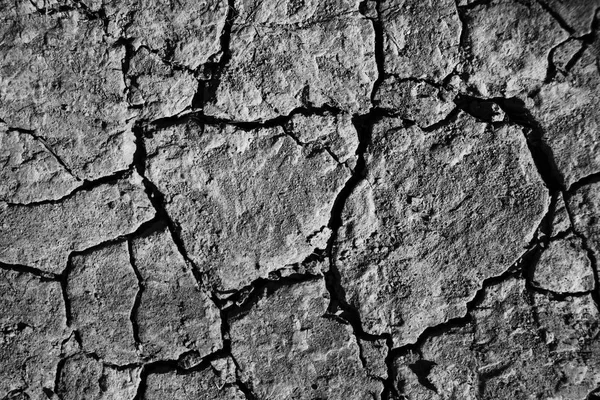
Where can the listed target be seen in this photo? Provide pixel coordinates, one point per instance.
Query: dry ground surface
(301, 199)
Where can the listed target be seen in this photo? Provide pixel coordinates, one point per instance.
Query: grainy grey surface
(299, 199)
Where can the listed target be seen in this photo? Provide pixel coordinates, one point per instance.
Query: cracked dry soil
(302, 199)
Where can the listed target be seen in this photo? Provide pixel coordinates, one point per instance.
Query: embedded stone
(287, 348)
(43, 235)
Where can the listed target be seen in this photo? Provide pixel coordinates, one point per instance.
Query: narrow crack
(260, 288)
(43, 275)
(313, 146)
(591, 256)
(541, 242)
(157, 199)
(63, 277)
(229, 300)
(363, 127)
(347, 313)
(514, 270)
(85, 186)
(207, 88)
(166, 366)
(528, 274)
(448, 119)
(247, 296)
(552, 70)
(138, 297)
(64, 283)
(563, 24)
(263, 289)
(48, 148)
(278, 121)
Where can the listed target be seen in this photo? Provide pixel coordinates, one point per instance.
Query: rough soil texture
(300, 199)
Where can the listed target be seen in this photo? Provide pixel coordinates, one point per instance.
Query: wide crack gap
(464, 45)
(474, 4)
(379, 49)
(594, 394)
(422, 368)
(517, 113)
(66, 8)
(585, 181)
